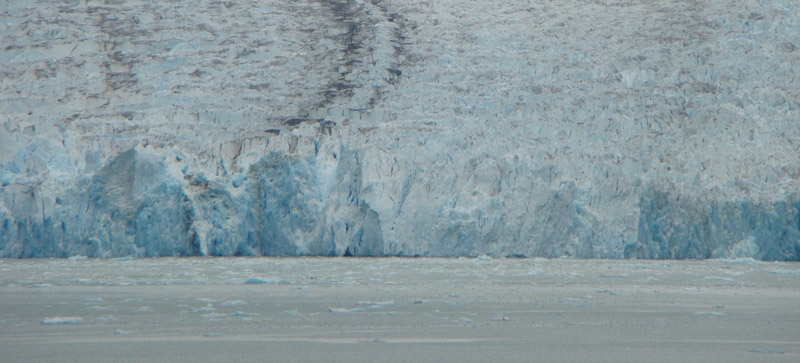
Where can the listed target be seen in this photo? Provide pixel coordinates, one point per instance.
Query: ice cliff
(400, 127)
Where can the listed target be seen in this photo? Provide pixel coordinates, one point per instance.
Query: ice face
(400, 128)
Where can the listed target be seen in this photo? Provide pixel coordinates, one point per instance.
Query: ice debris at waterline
(70, 320)
(400, 128)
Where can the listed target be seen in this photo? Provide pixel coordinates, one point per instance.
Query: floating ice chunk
(234, 303)
(465, 320)
(379, 303)
(419, 301)
(785, 272)
(259, 280)
(613, 293)
(241, 313)
(213, 316)
(77, 258)
(766, 350)
(613, 275)
(108, 319)
(571, 300)
(708, 313)
(291, 312)
(301, 287)
(144, 309)
(742, 261)
(209, 308)
(93, 301)
(717, 278)
(41, 285)
(212, 335)
(66, 320)
(123, 332)
(202, 299)
(345, 311)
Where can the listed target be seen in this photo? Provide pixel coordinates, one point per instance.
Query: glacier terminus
(598, 128)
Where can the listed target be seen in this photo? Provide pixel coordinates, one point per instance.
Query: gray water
(394, 309)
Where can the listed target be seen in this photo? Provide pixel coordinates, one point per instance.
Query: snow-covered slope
(400, 127)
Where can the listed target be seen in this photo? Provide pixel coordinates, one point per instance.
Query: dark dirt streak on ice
(356, 49)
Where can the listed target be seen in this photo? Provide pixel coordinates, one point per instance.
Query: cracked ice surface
(431, 128)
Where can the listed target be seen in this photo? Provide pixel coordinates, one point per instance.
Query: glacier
(587, 129)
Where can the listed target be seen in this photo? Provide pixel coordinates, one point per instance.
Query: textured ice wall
(433, 128)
